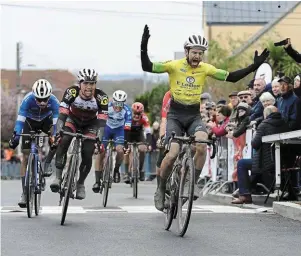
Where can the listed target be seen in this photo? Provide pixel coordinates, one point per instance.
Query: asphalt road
(133, 227)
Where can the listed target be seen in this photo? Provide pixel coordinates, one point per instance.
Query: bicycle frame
(109, 151)
(184, 165)
(34, 150)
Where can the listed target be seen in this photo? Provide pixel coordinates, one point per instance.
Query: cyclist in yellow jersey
(187, 78)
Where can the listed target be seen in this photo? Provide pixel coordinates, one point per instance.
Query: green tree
(152, 101)
(219, 57)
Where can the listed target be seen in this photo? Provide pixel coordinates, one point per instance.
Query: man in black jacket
(289, 105)
(262, 164)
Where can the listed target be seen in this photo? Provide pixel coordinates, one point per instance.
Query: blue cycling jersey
(30, 109)
(119, 119)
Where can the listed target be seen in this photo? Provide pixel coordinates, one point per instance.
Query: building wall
(236, 32)
(289, 26)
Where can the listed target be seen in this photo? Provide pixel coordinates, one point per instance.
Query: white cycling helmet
(42, 89)
(196, 41)
(119, 96)
(87, 75)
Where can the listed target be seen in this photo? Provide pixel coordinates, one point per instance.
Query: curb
(219, 197)
(227, 199)
(288, 210)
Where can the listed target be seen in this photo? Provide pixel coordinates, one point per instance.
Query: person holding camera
(289, 49)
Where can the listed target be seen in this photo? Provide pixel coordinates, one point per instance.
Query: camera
(283, 42)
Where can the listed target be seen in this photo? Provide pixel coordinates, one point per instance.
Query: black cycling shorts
(32, 125)
(136, 136)
(183, 119)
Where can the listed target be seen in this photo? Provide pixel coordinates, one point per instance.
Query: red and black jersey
(84, 110)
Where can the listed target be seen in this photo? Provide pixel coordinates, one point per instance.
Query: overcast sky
(106, 41)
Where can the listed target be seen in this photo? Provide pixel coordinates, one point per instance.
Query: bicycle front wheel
(135, 174)
(38, 193)
(68, 187)
(106, 184)
(171, 198)
(30, 185)
(185, 199)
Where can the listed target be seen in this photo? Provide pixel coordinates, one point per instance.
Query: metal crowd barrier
(217, 173)
(10, 170)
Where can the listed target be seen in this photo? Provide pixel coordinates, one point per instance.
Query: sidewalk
(291, 210)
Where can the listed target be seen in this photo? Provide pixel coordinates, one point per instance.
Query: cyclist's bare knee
(142, 148)
(126, 159)
(26, 153)
(119, 149)
(173, 151)
(201, 147)
(98, 161)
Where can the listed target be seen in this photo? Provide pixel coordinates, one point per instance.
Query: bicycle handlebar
(33, 134)
(79, 135)
(191, 139)
(137, 143)
(29, 135)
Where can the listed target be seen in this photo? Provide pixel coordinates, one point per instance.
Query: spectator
(234, 102)
(276, 88)
(155, 135)
(203, 108)
(292, 52)
(238, 134)
(297, 87)
(262, 164)
(205, 97)
(289, 104)
(220, 103)
(245, 96)
(243, 120)
(250, 87)
(267, 99)
(211, 110)
(257, 108)
(2, 151)
(222, 118)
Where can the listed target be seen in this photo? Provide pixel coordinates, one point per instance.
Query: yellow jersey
(186, 83)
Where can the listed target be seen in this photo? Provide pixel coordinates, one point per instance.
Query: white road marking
(137, 209)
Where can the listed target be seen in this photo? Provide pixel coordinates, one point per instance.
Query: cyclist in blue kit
(39, 110)
(118, 124)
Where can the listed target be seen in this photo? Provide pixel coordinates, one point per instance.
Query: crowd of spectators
(268, 108)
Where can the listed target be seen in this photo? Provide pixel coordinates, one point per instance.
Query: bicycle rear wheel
(186, 176)
(38, 193)
(30, 185)
(68, 188)
(107, 179)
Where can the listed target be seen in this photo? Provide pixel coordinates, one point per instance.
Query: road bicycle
(34, 179)
(181, 177)
(135, 166)
(68, 185)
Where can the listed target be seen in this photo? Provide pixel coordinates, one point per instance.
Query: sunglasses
(136, 114)
(89, 83)
(42, 100)
(118, 104)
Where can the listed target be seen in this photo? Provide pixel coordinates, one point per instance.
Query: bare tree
(8, 113)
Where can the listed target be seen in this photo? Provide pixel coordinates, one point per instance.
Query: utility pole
(18, 85)
(145, 76)
(19, 61)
